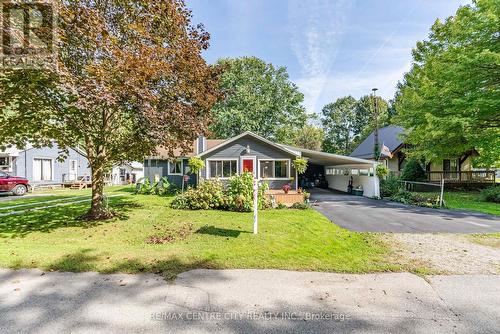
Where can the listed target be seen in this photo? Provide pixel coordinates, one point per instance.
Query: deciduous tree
(309, 137)
(130, 77)
(450, 100)
(365, 116)
(339, 121)
(258, 97)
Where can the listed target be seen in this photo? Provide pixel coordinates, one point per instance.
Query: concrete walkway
(247, 301)
(369, 215)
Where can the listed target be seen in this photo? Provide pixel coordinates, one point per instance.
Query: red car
(13, 184)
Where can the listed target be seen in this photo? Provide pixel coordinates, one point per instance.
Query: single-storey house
(126, 173)
(269, 161)
(42, 166)
(456, 169)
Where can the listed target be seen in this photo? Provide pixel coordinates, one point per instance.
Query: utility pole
(376, 146)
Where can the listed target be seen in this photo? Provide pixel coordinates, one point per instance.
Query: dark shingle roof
(389, 136)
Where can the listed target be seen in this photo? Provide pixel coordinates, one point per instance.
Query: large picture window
(175, 167)
(42, 169)
(274, 169)
(222, 168)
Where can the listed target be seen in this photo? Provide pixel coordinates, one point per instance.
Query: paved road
(247, 301)
(7, 197)
(369, 215)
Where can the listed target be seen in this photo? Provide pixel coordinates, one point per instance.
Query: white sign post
(255, 205)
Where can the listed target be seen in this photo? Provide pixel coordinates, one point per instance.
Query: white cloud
(316, 32)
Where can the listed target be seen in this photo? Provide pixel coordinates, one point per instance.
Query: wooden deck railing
(465, 177)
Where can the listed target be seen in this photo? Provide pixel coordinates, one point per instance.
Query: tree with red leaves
(130, 77)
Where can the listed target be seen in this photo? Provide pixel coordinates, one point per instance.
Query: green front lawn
(470, 201)
(288, 239)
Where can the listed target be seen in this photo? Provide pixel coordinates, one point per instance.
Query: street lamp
(376, 145)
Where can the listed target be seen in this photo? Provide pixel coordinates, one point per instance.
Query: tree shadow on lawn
(220, 232)
(89, 260)
(47, 220)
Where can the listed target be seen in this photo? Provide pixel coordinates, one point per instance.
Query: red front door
(248, 165)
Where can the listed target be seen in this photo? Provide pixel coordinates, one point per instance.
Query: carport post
(376, 185)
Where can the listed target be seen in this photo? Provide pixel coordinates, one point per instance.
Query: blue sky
(331, 48)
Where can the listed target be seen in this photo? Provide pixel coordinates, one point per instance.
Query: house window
(266, 169)
(278, 169)
(42, 169)
(4, 162)
(122, 174)
(281, 169)
(222, 168)
(175, 167)
(364, 172)
(450, 165)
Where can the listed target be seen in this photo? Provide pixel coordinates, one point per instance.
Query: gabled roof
(164, 154)
(251, 134)
(389, 136)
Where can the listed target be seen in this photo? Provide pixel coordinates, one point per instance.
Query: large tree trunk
(98, 209)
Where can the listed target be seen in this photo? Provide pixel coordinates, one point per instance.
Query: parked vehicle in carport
(13, 184)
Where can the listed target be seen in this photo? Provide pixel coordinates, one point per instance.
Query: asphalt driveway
(370, 215)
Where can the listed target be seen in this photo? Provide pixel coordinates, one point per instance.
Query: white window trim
(277, 178)
(207, 168)
(182, 167)
(52, 167)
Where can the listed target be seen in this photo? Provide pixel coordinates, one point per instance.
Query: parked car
(13, 184)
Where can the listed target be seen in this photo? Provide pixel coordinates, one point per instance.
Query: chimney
(201, 144)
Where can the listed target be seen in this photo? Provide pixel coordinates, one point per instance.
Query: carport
(338, 170)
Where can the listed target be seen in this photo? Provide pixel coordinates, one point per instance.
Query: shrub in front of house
(406, 197)
(413, 171)
(207, 196)
(390, 186)
(240, 193)
(162, 187)
(491, 194)
(211, 195)
(300, 206)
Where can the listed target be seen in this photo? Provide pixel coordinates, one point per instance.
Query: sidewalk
(247, 301)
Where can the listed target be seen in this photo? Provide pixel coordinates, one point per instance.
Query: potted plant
(307, 196)
(286, 188)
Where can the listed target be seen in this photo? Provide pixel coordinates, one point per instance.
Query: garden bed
(279, 197)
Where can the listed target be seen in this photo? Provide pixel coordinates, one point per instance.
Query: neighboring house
(127, 173)
(269, 161)
(389, 136)
(457, 169)
(41, 165)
